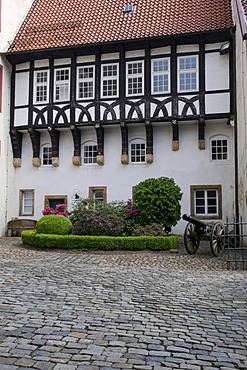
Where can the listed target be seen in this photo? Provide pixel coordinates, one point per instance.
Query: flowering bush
(61, 210)
(48, 211)
(94, 222)
(126, 211)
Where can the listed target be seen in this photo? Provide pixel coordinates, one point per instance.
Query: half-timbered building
(12, 13)
(105, 94)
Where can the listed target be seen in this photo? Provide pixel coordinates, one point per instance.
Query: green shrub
(149, 230)
(96, 222)
(54, 224)
(83, 205)
(79, 242)
(126, 211)
(158, 200)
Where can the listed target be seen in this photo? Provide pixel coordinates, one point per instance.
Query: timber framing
(171, 108)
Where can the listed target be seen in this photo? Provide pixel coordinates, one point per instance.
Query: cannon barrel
(194, 221)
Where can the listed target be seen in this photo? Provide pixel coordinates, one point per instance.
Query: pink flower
(48, 211)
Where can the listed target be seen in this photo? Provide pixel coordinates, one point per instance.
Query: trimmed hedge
(84, 242)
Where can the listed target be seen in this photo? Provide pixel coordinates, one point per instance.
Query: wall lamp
(225, 48)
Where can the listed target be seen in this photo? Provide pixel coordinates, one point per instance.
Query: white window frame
(45, 148)
(90, 160)
(137, 145)
(188, 72)
(205, 201)
(109, 78)
(131, 77)
(219, 150)
(60, 84)
(159, 74)
(87, 81)
(26, 202)
(42, 84)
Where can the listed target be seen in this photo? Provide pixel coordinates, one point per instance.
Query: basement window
(129, 8)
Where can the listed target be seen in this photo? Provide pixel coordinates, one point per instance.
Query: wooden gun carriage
(197, 230)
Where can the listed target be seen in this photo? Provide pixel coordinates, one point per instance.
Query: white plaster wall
(188, 166)
(216, 71)
(12, 14)
(22, 89)
(6, 168)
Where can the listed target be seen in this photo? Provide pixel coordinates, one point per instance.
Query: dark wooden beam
(35, 140)
(201, 134)
(175, 135)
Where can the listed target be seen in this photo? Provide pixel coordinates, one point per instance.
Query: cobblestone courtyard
(117, 310)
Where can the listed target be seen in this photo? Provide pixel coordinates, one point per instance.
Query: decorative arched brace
(100, 143)
(201, 134)
(160, 107)
(35, 140)
(189, 104)
(149, 141)
(16, 140)
(54, 135)
(125, 141)
(135, 108)
(76, 134)
(175, 135)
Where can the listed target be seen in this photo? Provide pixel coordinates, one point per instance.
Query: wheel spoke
(217, 239)
(191, 239)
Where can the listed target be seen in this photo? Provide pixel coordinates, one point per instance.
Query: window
(90, 153)
(46, 155)
(41, 86)
(62, 77)
(53, 200)
(206, 201)
(109, 86)
(129, 8)
(85, 89)
(188, 73)
(219, 148)
(26, 202)
(135, 78)
(137, 151)
(98, 194)
(160, 76)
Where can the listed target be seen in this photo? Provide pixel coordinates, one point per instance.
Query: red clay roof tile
(59, 23)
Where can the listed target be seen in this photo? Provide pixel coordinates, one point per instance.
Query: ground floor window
(98, 194)
(26, 202)
(53, 200)
(206, 201)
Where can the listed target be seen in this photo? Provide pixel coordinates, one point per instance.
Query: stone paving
(119, 310)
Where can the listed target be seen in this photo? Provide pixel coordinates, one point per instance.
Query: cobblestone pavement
(120, 310)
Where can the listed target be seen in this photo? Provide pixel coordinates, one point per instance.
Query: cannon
(197, 230)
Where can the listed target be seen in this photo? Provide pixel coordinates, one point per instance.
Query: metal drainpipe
(235, 127)
(7, 162)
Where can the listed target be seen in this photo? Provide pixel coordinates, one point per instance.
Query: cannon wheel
(217, 239)
(191, 239)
